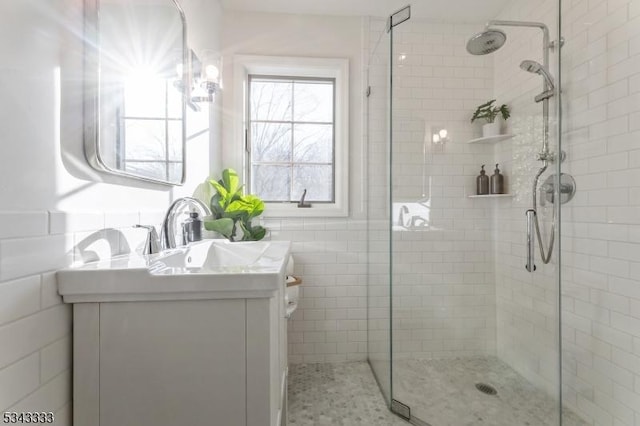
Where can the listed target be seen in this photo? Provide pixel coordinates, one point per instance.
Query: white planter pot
(491, 129)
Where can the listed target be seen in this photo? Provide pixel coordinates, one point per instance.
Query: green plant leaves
(504, 110)
(487, 105)
(222, 191)
(231, 209)
(223, 226)
(251, 204)
(258, 233)
(216, 205)
(230, 180)
(252, 233)
(488, 112)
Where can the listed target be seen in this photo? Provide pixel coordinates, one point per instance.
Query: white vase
(491, 129)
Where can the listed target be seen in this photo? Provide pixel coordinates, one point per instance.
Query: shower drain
(485, 388)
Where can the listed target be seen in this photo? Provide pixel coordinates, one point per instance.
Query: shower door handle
(531, 241)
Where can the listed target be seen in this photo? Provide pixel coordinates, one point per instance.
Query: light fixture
(203, 79)
(439, 135)
(206, 77)
(402, 59)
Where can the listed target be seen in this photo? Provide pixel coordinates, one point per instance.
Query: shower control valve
(566, 191)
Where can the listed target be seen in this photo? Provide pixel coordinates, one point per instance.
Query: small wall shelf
(490, 139)
(491, 196)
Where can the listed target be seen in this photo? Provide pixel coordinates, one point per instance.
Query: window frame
(297, 67)
(293, 122)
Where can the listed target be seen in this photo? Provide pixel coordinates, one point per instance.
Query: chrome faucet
(403, 210)
(168, 230)
(152, 243)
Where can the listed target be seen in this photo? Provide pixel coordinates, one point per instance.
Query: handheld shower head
(536, 68)
(530, 66)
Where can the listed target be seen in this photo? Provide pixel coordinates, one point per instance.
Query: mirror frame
(91, 94)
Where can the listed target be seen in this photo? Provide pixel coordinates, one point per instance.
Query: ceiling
(434, 10)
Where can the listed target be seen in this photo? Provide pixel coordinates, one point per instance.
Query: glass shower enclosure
(463, 309)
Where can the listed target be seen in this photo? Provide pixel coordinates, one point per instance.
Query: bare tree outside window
(292, 138)
(149, 136)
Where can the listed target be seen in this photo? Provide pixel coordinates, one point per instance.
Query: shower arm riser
(546, 45)
(533, 226)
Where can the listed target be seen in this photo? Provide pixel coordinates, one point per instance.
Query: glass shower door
(377, 196)
(474, 335)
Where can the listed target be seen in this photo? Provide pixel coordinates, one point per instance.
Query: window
(295, 132)
(291, 138)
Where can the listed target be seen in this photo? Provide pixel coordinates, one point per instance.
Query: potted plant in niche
(232, 210)
(489, 113)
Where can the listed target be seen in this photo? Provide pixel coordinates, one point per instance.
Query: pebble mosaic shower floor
(441, 392)
(341, 394)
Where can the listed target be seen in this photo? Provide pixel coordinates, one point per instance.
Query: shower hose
(546, 257)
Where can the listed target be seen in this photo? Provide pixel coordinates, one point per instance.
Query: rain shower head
(486, 42)
(536, 68)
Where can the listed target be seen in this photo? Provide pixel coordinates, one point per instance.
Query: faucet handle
(152, 243)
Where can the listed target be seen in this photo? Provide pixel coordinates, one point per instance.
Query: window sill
(276, 210)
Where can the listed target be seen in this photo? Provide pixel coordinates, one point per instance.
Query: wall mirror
(135, 72)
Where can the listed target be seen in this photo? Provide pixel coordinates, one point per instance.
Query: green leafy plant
(231, 209)
(489, 112)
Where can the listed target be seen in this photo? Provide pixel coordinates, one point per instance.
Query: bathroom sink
(202, 270)
(217, 256)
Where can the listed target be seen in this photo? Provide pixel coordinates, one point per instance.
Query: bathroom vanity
(194, 336)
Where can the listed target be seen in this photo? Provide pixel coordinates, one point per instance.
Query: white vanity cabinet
(188, 357)
(192, 362)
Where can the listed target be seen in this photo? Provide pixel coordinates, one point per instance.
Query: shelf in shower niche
(491, 139)
(491, 196)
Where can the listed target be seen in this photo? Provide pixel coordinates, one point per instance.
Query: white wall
(443, 282)
(330, 254)
(51, 203)
(600, 226)
(526, 302)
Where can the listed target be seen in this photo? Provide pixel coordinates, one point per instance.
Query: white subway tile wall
(35, 326)
(443, 291)
(443, 310)
(330, 255)
(601, 231)
(527, 308)
(601, 225)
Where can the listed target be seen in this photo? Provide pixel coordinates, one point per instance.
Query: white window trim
(303, 67)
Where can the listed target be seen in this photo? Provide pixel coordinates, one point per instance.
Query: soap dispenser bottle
(497, 182)
(482, 182)
(192, 228)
